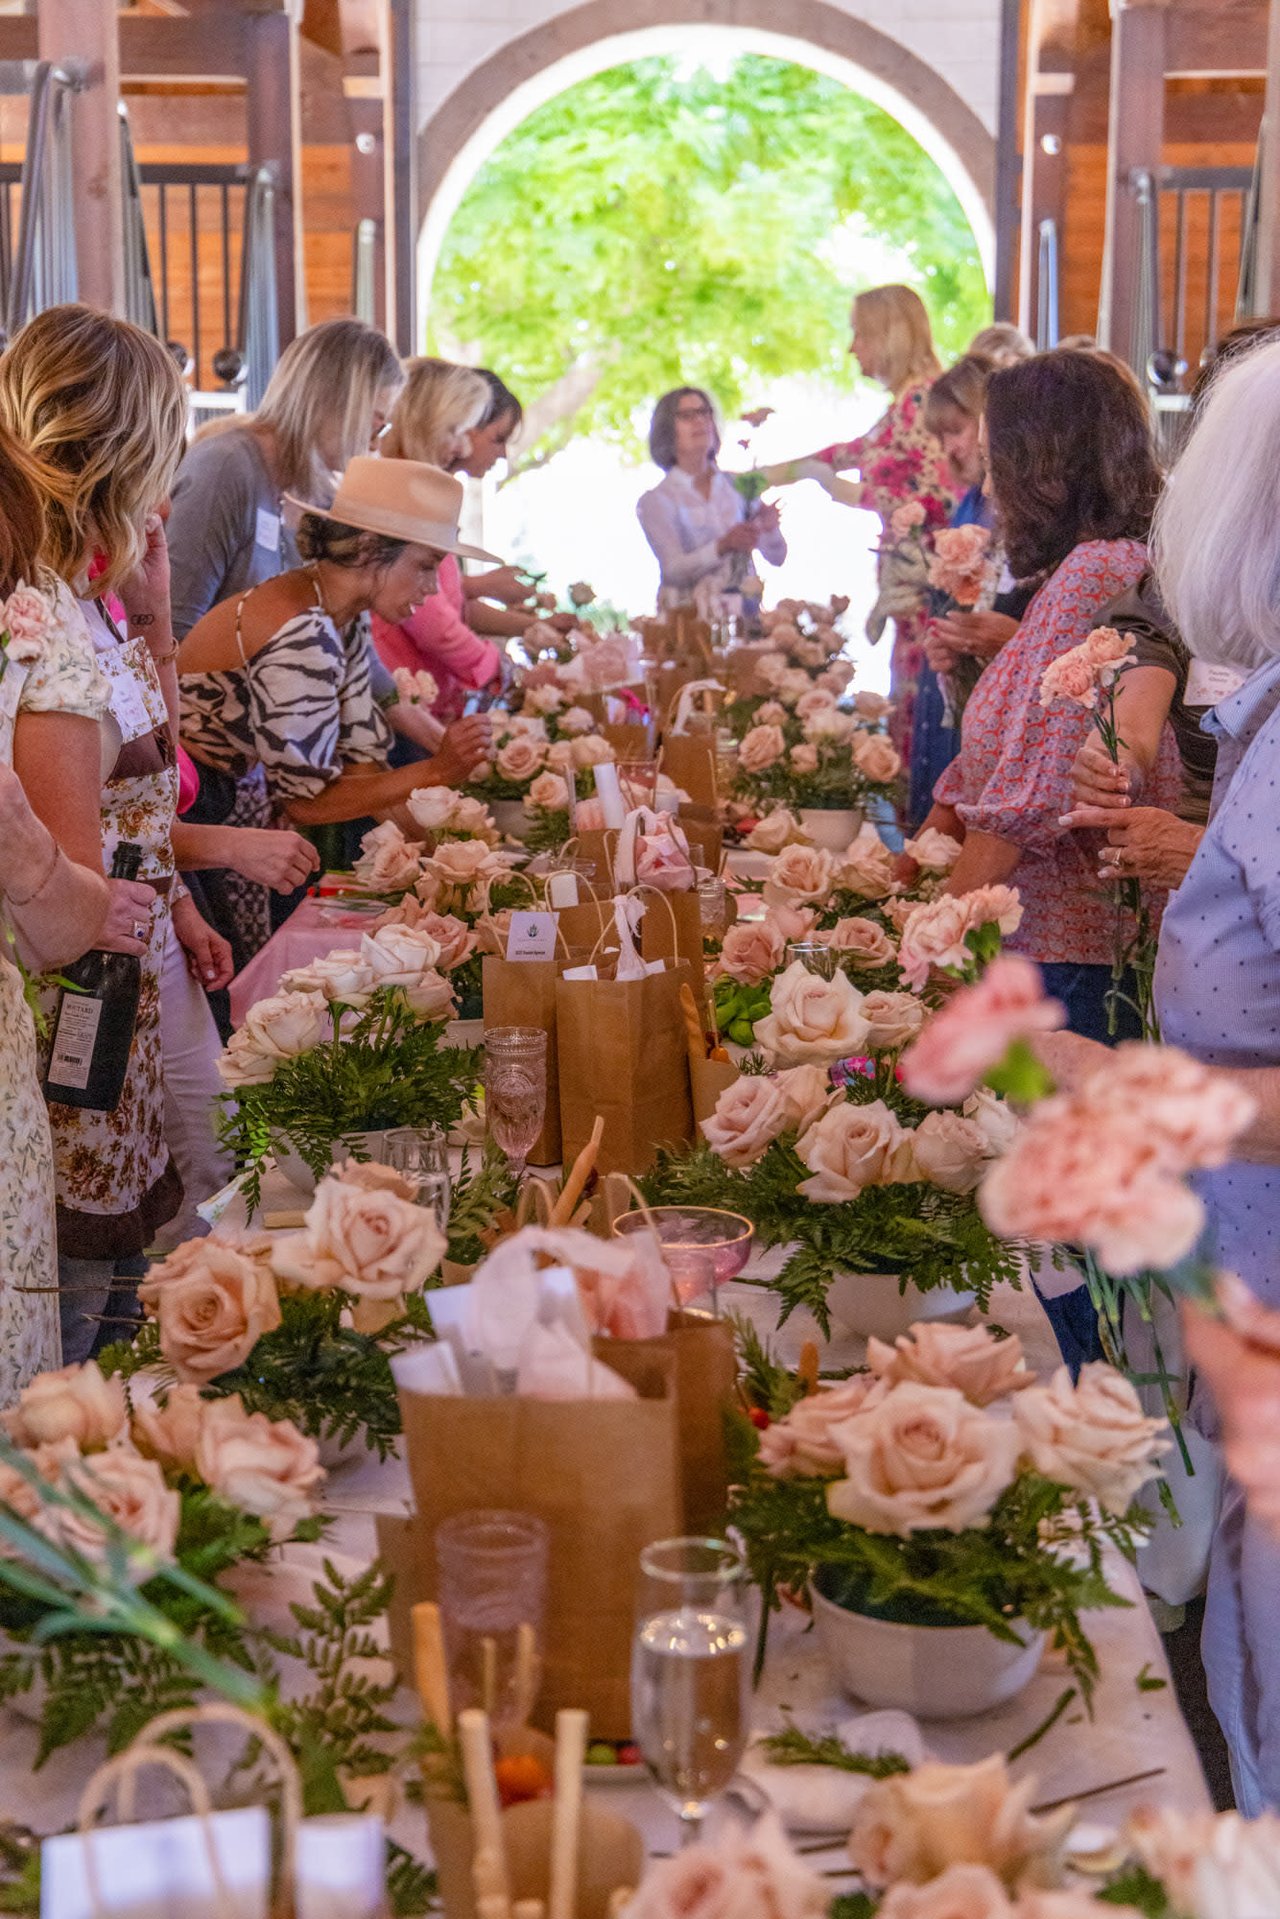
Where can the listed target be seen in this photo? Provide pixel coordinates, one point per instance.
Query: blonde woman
(101, 407)
(432, 422)
(899, 462)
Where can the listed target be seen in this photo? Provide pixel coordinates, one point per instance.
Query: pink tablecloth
(314, 929)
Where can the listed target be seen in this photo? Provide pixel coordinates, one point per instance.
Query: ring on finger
(139, 929)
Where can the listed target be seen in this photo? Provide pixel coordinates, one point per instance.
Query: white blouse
(683, 527)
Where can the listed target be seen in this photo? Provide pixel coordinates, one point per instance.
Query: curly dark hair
(1071, 457)
(342, 545)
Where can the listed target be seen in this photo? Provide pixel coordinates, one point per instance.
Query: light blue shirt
(1218, 972)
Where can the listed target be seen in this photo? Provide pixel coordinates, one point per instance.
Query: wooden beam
(1135, 140)
(85, 30)
(1217, 41)
(1267, 271)
(206, 47)
(271, 46)
(1008, 166)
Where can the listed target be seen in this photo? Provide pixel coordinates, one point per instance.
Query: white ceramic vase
(834, 827)
(871, 1304)
(295, 1169)
(933, 1672)
(510, 818)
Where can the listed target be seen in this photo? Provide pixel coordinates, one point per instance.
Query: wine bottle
(97, 1012)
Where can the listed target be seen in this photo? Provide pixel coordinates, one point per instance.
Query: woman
(433, 422)
(899, 463)
(57, 909)
(329, 398)
(1074, 478)
(958, 641)
(275, 684)
(102, 408)
(702, 531)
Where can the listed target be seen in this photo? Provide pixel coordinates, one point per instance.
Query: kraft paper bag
(523, 993)
(604, 1476)
(672, 929)
(597, 845)
(708, 1078)
(624, 1056)
(704, 831)
(630, 740)
(581, 928)
(740, 665)
(690, 760)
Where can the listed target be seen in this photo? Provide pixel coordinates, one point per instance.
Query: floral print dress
(116, 1182)
(899, 461)
(64, 680)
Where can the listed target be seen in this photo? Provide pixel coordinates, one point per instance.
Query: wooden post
(1267, 272)
(85, 30)
(1135, 139)
(403, 155)
(1007, 161)
(274, 119)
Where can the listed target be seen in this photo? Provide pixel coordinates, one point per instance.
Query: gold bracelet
(48, 875)
(163, 659)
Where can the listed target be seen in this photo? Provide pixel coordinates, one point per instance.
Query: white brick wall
(959, 38)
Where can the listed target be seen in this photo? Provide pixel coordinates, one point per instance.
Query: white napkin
(554, 1366)
(825, 1798)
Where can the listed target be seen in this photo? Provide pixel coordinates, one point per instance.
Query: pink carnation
(1083, 1175)
(959, 565)
(936, 932)
(975, 1029)
(1193, 1113)
(1077, 674)
(905, 518)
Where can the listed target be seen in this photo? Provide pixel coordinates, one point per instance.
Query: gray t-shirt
(226, 532)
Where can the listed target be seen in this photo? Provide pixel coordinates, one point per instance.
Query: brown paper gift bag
(672, 929)
(523, 993)
(702, 828)
(623, 1055)
(629, 739)
(602, 1474)
(690, 760)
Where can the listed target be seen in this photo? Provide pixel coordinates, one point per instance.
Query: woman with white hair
(1216, 552)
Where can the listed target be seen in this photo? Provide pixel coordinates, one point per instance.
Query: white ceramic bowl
(934, 1672)
(871, 1305)
(834, 827)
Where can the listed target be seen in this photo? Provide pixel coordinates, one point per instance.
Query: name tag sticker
(268, 533)
(532, 936)
(1209, 685)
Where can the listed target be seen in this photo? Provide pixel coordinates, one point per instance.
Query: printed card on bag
(532, 936)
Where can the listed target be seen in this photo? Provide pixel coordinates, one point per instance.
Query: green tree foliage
(657, 225)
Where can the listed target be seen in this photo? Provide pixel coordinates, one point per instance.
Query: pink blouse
(1013, 774)
(438, 638)
(899, 460)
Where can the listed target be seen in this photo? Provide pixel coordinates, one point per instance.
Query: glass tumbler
(421, 1155)
(492, 1568)
(814, 957)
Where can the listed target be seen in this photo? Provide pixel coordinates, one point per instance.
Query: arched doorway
(537, 65)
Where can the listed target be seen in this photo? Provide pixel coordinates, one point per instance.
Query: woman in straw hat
(275, 684)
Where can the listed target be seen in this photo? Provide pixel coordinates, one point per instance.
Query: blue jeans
(1083, 991)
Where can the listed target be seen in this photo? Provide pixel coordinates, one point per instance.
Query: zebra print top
(302, 708)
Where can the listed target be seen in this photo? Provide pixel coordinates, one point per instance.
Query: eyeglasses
(693, 413)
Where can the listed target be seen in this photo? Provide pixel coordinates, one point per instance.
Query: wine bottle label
(73, 1042)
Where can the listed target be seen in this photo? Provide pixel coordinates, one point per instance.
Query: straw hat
(405, 499)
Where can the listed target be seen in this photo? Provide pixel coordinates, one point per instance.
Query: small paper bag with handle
(672, 929)
(603, 1474)
(622, 1056)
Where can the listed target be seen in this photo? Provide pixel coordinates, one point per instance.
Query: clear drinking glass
(493, 1596)
(713, 906)
(420, 1154)
(814, 957)
(639, 782)
(691, 1672)
(515, 1089)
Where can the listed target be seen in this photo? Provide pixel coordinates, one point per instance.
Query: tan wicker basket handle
(221, 1712)
(121, 1772)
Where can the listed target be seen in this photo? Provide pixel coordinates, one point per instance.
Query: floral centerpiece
(350, 1045)
(946, 1487)
(299, 1327)
(831, 1154)
(177, 1499)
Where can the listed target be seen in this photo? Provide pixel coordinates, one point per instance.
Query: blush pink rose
(801, 1446)
(752, 951)
(749, 1115)
(969, 1358)
(866, 867)
(877, 758)
(803, 759)
(922, 1459)
(799, 874)
(1093, 1436)
(761, 748)
(853, 1147)
(974, 1030)
(861, 941)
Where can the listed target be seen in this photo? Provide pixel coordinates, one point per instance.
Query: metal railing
(42, 263)
(259, 334)
(1047, 287)
(139, 292)
(364, 271)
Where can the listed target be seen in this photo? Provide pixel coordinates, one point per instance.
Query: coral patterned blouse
(1013, 774)
(899, 460)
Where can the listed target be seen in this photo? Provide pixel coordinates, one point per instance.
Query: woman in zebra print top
(277, 708)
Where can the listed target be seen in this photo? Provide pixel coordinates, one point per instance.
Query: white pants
(191, 1087)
